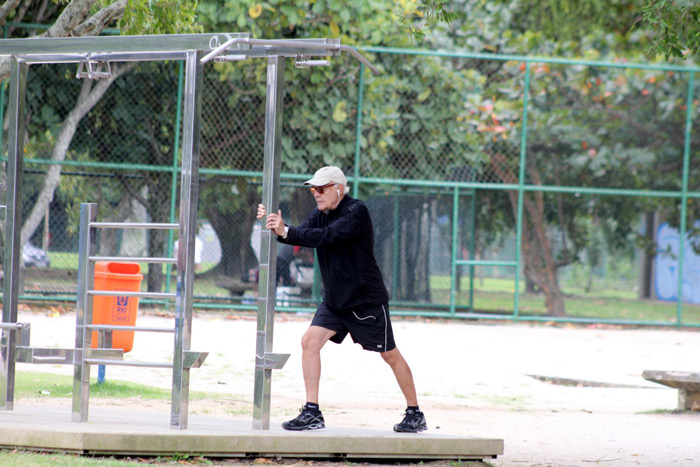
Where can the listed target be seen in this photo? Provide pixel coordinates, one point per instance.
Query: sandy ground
(473, 379)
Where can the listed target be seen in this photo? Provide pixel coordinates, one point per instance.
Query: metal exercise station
(93, 56)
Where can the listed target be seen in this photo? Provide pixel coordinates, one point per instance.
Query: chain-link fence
(569, 201)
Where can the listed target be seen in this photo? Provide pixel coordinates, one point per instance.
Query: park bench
(687, 383)
(235, 287)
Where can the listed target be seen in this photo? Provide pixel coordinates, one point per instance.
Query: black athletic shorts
(371, 327)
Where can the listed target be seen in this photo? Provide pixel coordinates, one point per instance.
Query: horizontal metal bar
(13, 325)
(333, 46)
(37, 59)
(44, 355)
(123, 293)
(136, 56)
(100, 361)
(302, 44)
(134, 259)
(107, 327)
(475, 262)
(135, 44)
(191, 359)
(54, 58)
(50, 355)
(133, 225)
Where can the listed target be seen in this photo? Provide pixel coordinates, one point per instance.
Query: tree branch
(69, 18)
(69, 24)
(133, 194)
(96, 24)
(6, 9)
(89, 96)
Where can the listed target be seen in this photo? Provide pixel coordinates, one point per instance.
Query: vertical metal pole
(13, 228)
(87, 247)
(358, 133)
(684, 195)
(189, 198)
(268, 246)
(521, 193)
(2, 109)
(2, 94)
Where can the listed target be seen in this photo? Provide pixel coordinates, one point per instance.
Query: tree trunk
(537, 249)
(89, 96)
(234, 230)
(422, 284)
(646, 273)
(158, 212)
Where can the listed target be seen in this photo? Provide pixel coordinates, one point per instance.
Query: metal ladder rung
(132, 225)
(107, 327)
(140, 259)
(13, 325)
(100, 361)
(190, 359)
(121, 293)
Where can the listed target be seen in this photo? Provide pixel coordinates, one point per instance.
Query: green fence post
(472, 248)
(521, 193)
(455, 246)
(395, 250)
(684, 196)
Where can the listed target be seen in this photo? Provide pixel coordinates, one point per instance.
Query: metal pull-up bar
(337, 48)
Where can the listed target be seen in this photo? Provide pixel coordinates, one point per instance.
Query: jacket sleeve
(351, 223)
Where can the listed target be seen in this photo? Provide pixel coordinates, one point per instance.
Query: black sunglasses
(320, 189)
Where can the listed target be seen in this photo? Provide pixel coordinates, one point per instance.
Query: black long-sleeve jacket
(344, 241)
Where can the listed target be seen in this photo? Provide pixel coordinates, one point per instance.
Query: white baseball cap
(327, 175)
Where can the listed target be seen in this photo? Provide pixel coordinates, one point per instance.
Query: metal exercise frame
(93, 56)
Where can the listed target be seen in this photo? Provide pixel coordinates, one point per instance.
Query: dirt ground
(559, 395)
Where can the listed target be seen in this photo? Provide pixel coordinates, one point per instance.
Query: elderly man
(355, 299)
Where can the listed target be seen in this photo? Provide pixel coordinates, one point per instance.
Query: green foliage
(367, 22)
(676, 27)
(159, 17)
(428, 14)
(564, 20)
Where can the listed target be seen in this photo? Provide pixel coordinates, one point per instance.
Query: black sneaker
(306, 420)
(413, 422)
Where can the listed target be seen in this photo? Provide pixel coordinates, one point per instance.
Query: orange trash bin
(116, 311)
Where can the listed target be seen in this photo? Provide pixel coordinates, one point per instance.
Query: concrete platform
(125, 432)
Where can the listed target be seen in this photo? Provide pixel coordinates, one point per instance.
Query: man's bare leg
(414, 420)
(311, 344)
(403, 375)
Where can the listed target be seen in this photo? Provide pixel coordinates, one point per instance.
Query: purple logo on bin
(121, 309)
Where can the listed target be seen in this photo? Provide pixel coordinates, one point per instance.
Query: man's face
(327, 196)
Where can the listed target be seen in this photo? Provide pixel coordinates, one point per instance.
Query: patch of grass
(30, 384)
(50, 385)
(670, 412)
(515, 402)
(17, 458)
